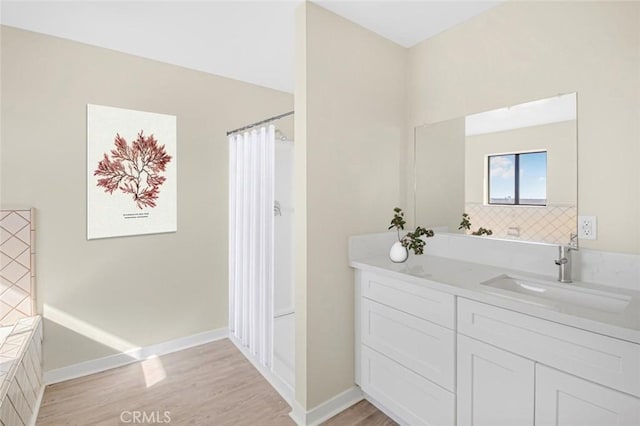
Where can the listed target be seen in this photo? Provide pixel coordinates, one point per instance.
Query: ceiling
(251, 41)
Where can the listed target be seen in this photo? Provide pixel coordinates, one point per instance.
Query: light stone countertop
(463, 279)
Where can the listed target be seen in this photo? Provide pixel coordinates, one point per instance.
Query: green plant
(466, 225)
(482, 231)
(412, 240)
(398, 221)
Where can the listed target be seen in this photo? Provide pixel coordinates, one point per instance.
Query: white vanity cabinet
(565, 400)
(495, 387)
(532, 351)
(428, 357)
(405, 349)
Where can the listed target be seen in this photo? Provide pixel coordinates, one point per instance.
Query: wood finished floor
(212, 384)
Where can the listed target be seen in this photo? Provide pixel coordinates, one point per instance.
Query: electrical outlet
(513, 231)
(587, 227)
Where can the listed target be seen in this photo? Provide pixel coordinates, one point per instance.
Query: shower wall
(283, 237)
(284, 321)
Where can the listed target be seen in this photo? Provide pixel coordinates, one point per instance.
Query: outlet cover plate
(587, 227)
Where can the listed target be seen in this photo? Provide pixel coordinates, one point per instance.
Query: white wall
(283, 228)
(104, 296)
(350, 130)
(521, 51)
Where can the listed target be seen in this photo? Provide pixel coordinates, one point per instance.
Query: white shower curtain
(251, 225)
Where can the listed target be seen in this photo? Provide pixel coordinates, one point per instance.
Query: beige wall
(354, 147)
(300, 201)
(440, 174)
(353, 83)
(104, 296)
(558, 139)
(522, 51)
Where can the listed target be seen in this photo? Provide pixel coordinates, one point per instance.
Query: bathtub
(21, 387)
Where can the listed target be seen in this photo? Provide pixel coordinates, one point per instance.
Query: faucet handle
(564, 262)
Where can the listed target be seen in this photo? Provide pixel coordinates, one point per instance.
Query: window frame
(516, 190)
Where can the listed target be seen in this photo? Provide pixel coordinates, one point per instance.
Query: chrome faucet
(564, 259)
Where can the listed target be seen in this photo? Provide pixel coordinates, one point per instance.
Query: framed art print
(131, 172)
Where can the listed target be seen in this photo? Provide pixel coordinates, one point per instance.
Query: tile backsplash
(549, 224)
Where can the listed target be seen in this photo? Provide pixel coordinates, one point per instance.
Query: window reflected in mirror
(518, 179)
(512, 169)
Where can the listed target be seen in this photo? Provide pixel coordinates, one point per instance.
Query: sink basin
(552, 294)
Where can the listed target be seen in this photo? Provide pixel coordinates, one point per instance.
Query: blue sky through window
(502, 179)
(533, 178)
(532, 169)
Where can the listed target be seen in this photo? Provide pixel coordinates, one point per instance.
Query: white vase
(398, 253)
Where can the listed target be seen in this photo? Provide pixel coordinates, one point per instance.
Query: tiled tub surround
(21, 387)
(17, 268)
(434, 346)
(548, 224)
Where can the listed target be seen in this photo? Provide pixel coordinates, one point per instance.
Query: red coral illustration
(134, 169)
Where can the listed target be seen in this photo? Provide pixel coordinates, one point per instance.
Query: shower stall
(283, 324)
(261, 250)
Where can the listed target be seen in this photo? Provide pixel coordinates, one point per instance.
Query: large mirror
(512, 170)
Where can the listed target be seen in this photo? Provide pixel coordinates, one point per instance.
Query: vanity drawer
(606, 360)
(408, 395)
(422, 346)
(431, 305)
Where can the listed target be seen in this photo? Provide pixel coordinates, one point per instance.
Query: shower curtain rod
(277, 117)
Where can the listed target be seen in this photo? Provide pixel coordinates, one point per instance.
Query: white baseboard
(327, 409)
(34, 415)
(285, 391)
(118, 360)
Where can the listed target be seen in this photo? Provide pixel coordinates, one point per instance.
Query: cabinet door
(495, 387)
(407, 395)
(612, 362)
(565, 400)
